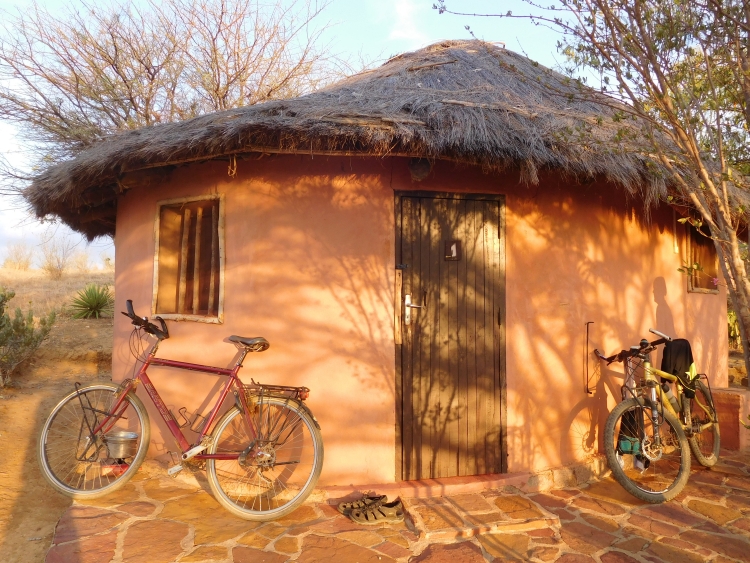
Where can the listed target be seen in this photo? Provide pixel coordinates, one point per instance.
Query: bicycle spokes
(279, 467)
(75, 454)
(651, 464)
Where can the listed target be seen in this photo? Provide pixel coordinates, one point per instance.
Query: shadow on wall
(593, 257)
(583, 430)
(309, 265)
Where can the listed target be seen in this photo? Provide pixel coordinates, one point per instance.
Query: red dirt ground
(77, 350)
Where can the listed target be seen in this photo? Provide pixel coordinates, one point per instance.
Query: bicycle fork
(655, 415)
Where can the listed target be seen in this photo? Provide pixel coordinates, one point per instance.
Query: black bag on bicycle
(678, 361)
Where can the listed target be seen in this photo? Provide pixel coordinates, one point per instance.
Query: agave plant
(93, 301)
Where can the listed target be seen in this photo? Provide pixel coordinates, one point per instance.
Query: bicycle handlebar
(143, 322)
(657, 333)
(644, 346)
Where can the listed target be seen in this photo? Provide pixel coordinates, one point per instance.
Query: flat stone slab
(159, 541)
(82, 521)
(157, 520)
(458, 553)
(447, 521)
(321, 549)
(96, 549)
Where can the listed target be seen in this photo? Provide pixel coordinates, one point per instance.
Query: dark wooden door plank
(462, 412)
(472, 256)
(407, 255)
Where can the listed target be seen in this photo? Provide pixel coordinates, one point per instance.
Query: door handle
(408, 306)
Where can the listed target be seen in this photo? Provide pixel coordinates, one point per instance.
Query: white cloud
(407, 15)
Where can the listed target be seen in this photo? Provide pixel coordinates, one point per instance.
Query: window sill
(702, 290)
(194, 318)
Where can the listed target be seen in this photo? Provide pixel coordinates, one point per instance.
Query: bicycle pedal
(174, 470)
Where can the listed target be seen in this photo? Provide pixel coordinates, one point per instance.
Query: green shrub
(19, 336)
(93, 301)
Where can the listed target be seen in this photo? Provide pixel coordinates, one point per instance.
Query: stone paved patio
(155, 519)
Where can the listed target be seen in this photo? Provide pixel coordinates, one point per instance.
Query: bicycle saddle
(256, 344)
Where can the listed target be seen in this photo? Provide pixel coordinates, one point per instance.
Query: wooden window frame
(219, 317)
(689, 240)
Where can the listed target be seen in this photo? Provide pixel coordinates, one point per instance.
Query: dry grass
(34, 290)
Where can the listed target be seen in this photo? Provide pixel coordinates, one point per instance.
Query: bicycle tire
(63, 440)
(663, 478)
(705, 445)
(264, 490)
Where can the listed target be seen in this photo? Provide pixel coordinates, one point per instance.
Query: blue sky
(374, 28)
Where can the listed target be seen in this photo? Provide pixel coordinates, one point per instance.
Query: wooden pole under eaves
(197, 261)
(183, 262)
(214, 233)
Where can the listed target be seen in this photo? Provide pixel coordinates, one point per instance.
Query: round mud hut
(434, 247)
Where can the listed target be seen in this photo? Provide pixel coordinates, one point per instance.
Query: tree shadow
(311, 267)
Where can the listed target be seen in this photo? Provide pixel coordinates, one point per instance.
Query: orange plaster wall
(576, 254)
(309, 265)
(588, 259)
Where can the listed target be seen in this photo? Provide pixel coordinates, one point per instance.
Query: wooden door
(452, 357)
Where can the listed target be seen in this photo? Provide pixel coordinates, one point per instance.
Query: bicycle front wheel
(653, 473)
(706, 442)
(81, 464)
(278, 473)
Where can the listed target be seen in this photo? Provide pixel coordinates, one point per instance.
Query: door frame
(500, 327)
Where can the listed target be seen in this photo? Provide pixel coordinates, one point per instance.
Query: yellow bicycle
(649, 435)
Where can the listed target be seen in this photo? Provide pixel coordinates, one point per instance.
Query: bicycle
(649, 435)
(263, 456)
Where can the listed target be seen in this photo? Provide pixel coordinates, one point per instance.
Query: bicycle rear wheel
(81, 465)
(650, 473)
(287, 460)
(706, 443)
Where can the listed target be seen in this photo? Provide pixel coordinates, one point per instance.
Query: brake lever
(164, 329)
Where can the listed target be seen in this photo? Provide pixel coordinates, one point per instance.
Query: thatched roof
(466, 101)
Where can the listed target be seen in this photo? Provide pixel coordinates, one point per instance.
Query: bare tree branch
(683, 68)
(69, 81)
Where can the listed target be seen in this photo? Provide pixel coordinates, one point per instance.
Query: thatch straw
(466, 101)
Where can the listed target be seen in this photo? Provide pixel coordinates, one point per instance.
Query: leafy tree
(682, 68)
(20, 336)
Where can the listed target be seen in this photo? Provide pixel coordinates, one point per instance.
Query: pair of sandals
(373, 509)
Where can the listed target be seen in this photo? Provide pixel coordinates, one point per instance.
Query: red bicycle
(263, 456)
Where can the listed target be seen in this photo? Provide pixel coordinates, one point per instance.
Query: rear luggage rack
(255, 389)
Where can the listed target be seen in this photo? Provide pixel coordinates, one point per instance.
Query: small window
(702, 251)
(188, 280)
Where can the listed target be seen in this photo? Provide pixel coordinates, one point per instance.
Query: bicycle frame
(233, 381)
(651, 375)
